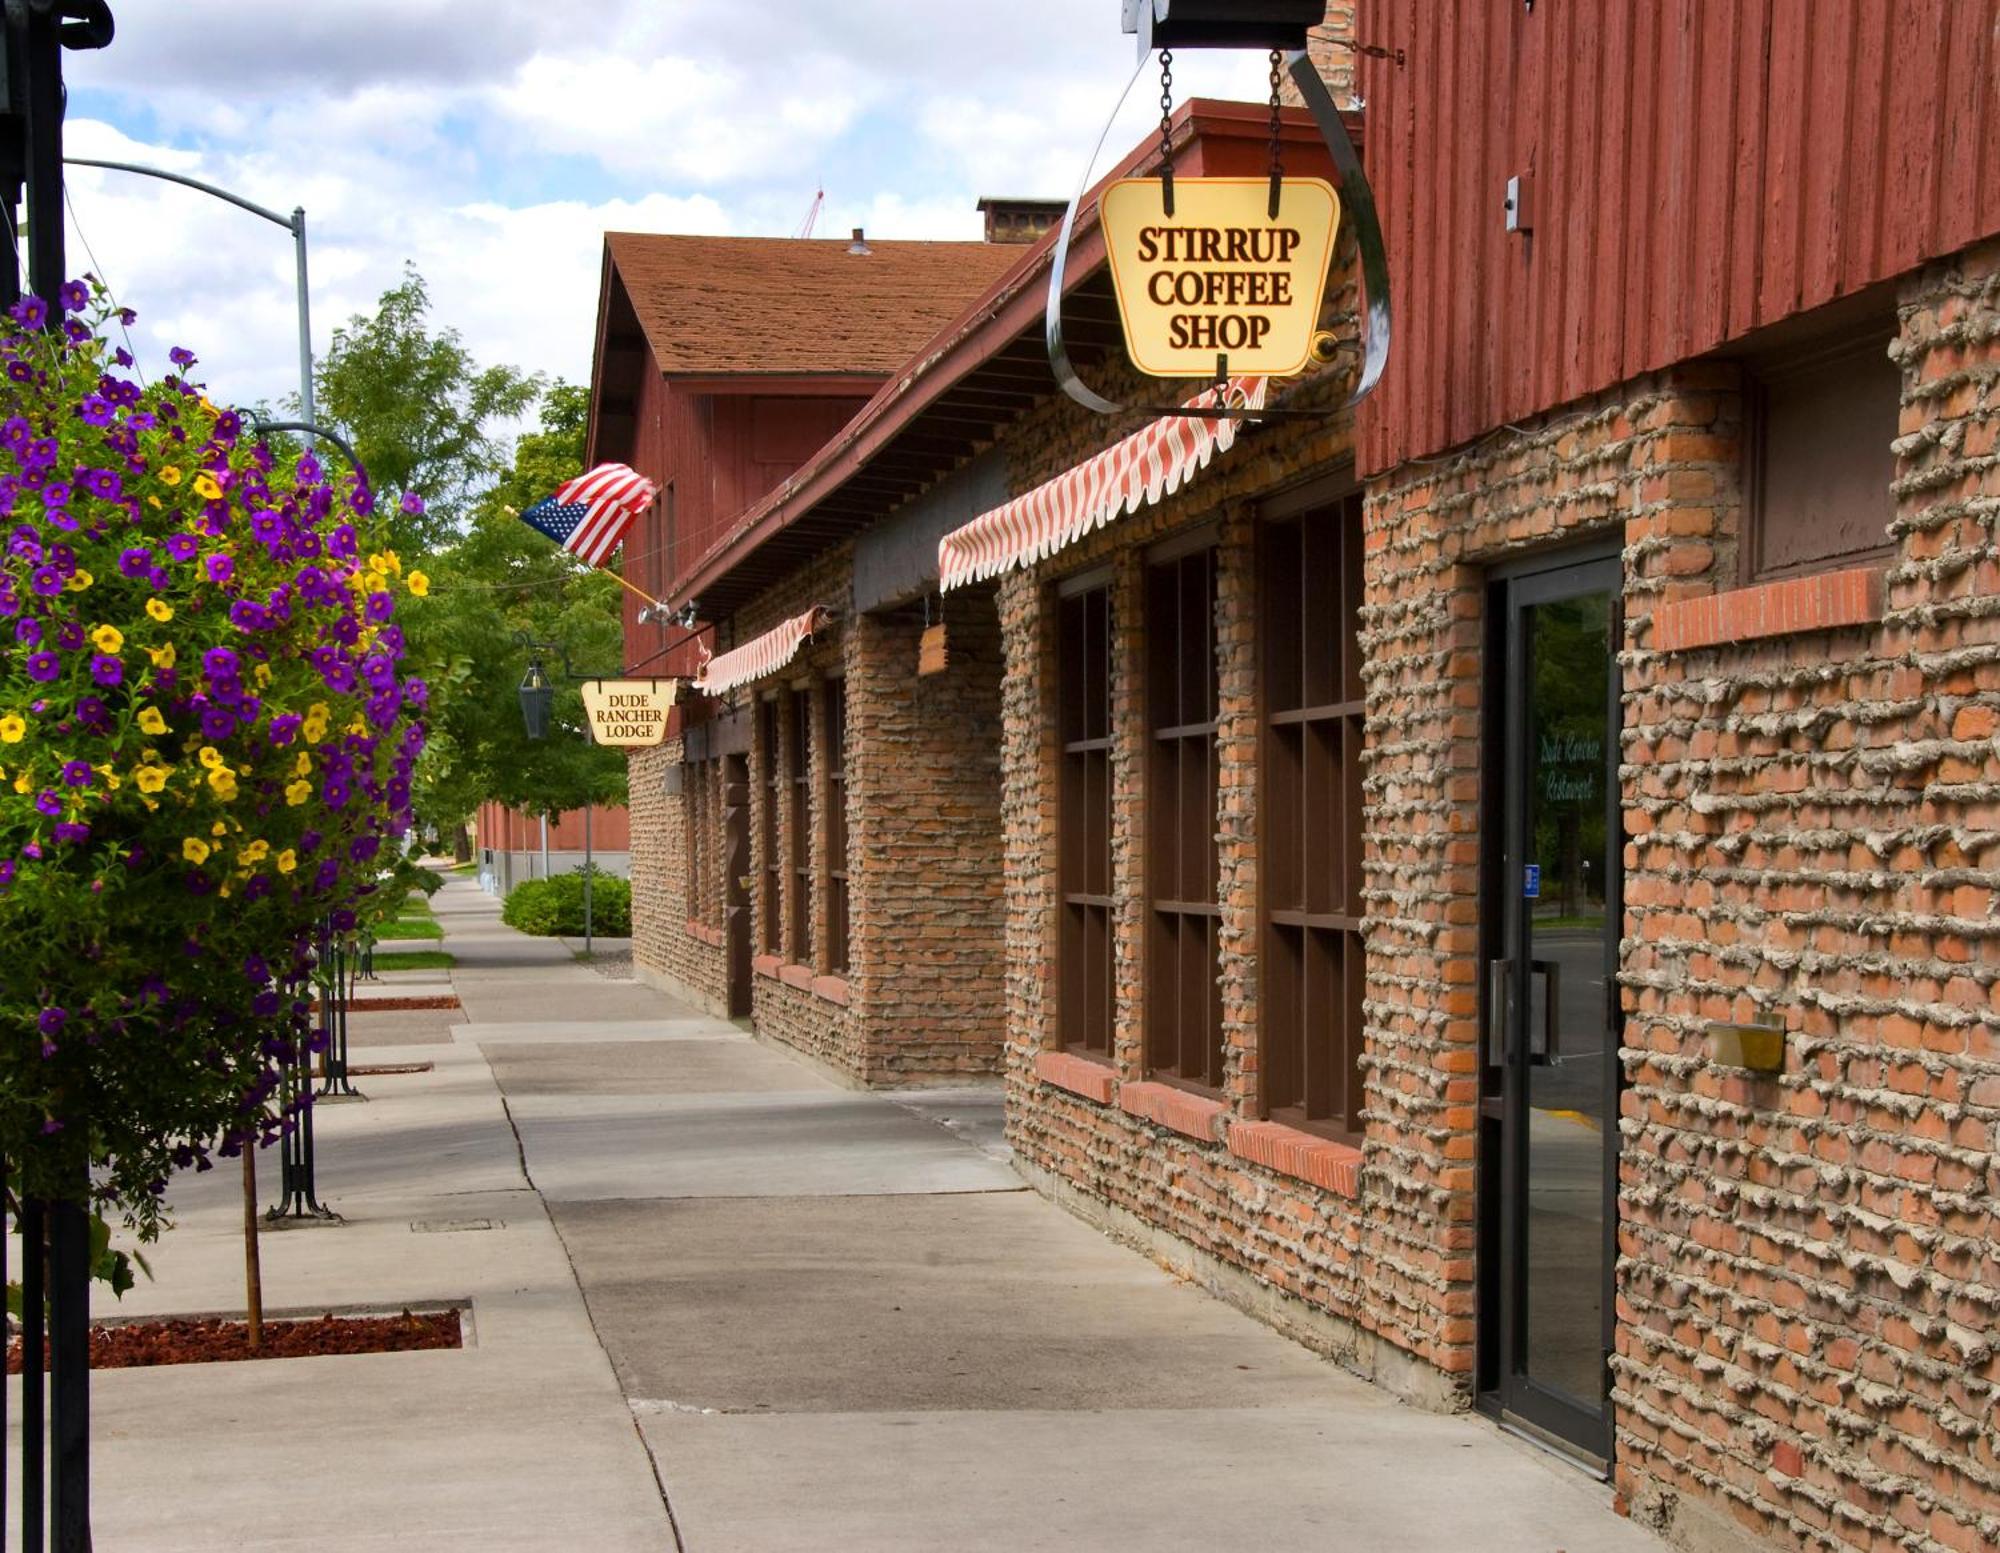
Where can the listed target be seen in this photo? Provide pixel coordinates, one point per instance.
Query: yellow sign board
(1219, 277)
(629, 713)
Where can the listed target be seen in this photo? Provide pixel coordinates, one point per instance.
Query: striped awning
(1154, 461)
(762, 655)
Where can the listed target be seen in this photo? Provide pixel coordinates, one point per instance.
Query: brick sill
(712, 936)
(828, 989)
(1193, 1116)
(1084, 1076)
(1305, 1156)
(1821, 602)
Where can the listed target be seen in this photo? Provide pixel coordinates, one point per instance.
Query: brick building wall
(919, 1001)
(1808, 1273)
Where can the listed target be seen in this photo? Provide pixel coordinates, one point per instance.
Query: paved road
(720, 1303)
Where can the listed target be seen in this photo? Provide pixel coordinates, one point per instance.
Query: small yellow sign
(1220, 277)
(630, 713)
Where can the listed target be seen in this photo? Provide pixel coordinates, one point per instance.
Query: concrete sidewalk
(835, 1320)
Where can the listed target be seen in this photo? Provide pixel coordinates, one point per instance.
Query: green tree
(421, 412)
(498, 580)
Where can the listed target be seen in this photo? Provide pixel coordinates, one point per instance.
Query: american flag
(590, 515)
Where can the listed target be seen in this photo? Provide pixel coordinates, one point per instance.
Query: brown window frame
(1836, 356)
(701, 864)
(798, 838)
(1086, 907)
(1312, 969)
(838, 905)
(1184, 1036)
(770, 935)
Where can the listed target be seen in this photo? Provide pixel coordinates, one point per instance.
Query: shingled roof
(729, 305)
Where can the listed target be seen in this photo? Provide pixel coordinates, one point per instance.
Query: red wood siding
(1698, 169)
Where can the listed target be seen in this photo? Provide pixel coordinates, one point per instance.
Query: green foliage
(501, 580)
(419, 410)
(415, 960)
(553, 907)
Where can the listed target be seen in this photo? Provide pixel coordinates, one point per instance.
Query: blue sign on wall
(1531, 881)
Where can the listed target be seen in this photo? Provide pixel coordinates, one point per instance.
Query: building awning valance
(762, 655)
(1154, 461)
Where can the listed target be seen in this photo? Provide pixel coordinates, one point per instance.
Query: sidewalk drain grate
(453, 1226)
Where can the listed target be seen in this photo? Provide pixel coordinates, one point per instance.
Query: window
(770, 925)
(1183, 987)
(836, 826)
(1083, 811)
(798, 839)
(1819, 425)
(699, 863)
(1313, 963)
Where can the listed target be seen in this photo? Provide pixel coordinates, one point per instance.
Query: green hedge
(551, 908)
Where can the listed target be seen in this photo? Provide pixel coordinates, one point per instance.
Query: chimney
(860, 244)
(1020, 220)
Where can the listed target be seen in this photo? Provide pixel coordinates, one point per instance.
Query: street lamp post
(294, 223)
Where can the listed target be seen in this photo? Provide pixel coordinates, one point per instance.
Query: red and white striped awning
(1154, 461)
(762, 655)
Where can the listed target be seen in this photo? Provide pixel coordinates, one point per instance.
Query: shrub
(553, 907)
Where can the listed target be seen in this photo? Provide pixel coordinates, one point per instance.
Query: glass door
(1550, 1056)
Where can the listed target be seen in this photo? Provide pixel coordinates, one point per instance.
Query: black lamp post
(537, 697)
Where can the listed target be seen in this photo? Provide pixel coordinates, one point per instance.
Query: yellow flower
(211, 757)
(287, 861)
(12, 729)
(218, 829)
(205, 486)
(108, 638)
(79, 580)
(262, 675)
(195, 850)
(297, 792)
(223, 780)
(170, 476)
(150, 779)
(419, 584)
(163, 657)
(359, 725)
(379, 565)
(256, 852)
(150, 721)
(303, 765)
(160, 610)
(393, 561)
(152, 501)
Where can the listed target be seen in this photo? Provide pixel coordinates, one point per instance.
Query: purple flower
(6, 872)
(30, 312)
(74, 295)
(47, 803)
(246, 616)
(107, 670)
(364, 847)
(284, 726)
(181, 356)
(69, 635)
(255, 971)
(217, 722)
(265, 1005)
(47, 582)
(416, 693)
(413, 504)
(220, 568)
(28, 629)
(220, 661)
(76, 830)
(95, 410)
(379, 607)
(182, 547)
(135, 562)
(101, 483)
(43, 666)
(77, 773)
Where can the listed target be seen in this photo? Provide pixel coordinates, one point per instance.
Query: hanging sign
(629, 713)
(932, 656)
(1219, 277)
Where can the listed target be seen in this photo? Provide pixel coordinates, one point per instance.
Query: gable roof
(755, 305)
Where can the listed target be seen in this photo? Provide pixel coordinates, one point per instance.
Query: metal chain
(1277, 147)
(1167, 131)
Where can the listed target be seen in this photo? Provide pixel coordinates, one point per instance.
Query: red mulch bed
(134, 1343)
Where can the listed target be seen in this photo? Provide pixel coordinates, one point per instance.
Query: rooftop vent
(860, 243)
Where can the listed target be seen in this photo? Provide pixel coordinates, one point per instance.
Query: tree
(499, 580)
(420, 411)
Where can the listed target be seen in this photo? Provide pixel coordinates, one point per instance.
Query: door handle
(1542, 1042)
(1499, 987)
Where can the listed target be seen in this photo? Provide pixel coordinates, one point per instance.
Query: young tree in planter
(206, 742)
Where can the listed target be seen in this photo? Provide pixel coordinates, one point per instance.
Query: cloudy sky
(493, 142)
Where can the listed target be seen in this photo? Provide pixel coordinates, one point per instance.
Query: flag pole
(513, 512)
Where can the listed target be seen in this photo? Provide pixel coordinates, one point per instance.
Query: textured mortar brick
(1809, 1264)
(662, 948)
(1388, 1263)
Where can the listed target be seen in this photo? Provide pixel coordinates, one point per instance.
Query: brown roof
(781, 304)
